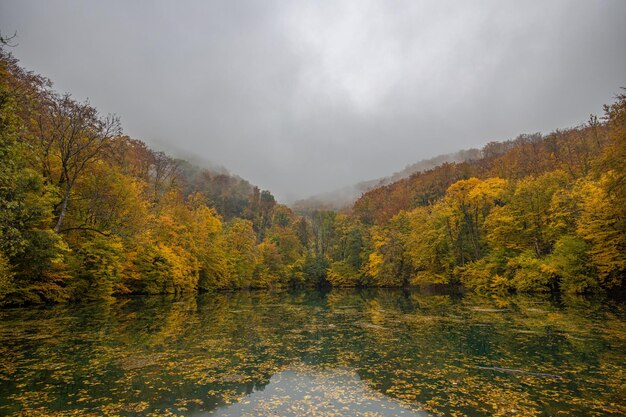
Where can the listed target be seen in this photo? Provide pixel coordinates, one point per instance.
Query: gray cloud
(303, 97)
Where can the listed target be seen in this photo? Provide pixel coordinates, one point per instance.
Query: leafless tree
(6, 40)
(163, 173)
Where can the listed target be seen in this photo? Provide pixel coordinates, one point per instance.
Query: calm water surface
(339, 353)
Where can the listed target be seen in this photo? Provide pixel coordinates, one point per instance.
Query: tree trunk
(66, 198)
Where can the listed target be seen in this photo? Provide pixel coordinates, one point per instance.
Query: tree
(30, 252)
(241, 251)
(108, 202)
(468, 203)
(162, 174)
(71, 136)
(100, 261)
(342, 274)
(388, 264)
(525, 222)
(429, 245)
(602, 223)
(270, 271)
(571, 262)
(323, 228)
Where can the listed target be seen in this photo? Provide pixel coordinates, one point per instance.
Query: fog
(308, 96)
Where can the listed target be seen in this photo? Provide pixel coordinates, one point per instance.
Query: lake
(327, 353)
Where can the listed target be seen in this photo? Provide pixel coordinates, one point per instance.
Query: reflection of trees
(152, 351)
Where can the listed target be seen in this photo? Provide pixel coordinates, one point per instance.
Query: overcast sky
(302, 97)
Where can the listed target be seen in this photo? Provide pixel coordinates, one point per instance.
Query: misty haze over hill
(343, 198)
(305, 97)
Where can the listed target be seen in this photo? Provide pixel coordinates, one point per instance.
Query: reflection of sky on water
(367, 350)
(302, 391)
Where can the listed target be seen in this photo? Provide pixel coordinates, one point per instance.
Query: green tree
(571, 262)
(99, 265)
(32, 254)
(242, 252)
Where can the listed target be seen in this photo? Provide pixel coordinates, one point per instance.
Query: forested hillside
(88, 213)
(536, 213)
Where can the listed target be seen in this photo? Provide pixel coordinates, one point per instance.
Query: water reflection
(244, 353)
(305, 391)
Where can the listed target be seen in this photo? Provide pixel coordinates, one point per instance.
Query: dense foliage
(538, 213)
(534, 214)
(86, 212)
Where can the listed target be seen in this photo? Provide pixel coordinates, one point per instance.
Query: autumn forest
(87, 212)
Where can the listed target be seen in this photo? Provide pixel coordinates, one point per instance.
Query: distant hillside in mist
(343, 198)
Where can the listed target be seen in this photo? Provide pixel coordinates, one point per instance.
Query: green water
(339, 353)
